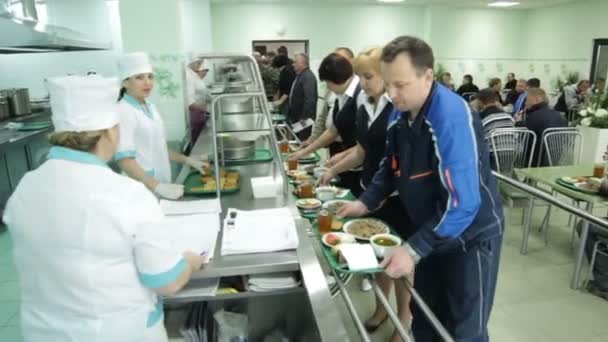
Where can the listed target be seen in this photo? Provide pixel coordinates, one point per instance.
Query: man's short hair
(494, 82)
(282, 50)
(533, 83)
(511, 74)
(347, 51)
(304, 57)
(581, 82)
(468, 77)
(418, 50)
(487, 96)
(537, 92)
(335, 68)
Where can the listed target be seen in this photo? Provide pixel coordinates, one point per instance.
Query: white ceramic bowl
(326, 193)
(319, 171)
(380, 250)
(341, 238)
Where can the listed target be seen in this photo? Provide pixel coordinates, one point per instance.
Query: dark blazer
(538, 118)
(303, 97)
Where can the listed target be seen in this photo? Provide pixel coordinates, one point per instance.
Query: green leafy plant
(439, 70)
(595, 113)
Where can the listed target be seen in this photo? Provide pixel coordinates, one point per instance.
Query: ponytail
(122, 92)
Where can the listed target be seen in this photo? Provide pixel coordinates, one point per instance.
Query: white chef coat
(86, 261)
(142, 136)
(197, 89)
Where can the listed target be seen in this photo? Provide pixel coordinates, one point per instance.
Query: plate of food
(309, 156)
(334, 205)
(297, 174)
(588, 187)
(364, 229)
(308, 203)
(574, 180)
(333, 239)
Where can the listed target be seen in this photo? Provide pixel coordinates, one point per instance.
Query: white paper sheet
(194, 233)
(191, 207)
(259, 231)
(359, 256)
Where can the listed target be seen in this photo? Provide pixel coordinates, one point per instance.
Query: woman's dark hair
(336, 69)
(418, 50)
(122, 92)
(280, 61)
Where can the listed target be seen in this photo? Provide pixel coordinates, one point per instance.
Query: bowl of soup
(383, 243)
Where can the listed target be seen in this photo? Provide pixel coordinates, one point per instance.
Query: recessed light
(391, 1)
(503, 3)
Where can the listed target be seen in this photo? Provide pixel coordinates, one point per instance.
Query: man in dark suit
(539, 117)
(302, 98)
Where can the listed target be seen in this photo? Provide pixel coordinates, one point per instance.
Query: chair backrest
(561, 146)
(512, 148)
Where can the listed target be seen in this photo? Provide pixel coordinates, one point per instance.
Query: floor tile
(11, 334)
(7, 310)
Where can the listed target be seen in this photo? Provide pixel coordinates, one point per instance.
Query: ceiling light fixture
(503, 3)
(391, 1)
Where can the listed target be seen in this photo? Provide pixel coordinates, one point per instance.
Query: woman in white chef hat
(89, 267)
(142, 152)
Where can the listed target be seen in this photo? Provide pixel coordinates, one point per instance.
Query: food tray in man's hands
(333, 259)
(197, 184)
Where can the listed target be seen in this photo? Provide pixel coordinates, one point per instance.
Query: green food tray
(193, 180)
(316, 159)
(278, 117)
(333, 262)
(34, 126)
(574, 188)
(261, 156)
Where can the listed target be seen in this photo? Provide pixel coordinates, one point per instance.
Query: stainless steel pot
(236, 105)
(4, 108)
(235, 149)
(18, 101)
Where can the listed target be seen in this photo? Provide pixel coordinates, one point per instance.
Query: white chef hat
(83, 103)
(196, 57)
(132, 64)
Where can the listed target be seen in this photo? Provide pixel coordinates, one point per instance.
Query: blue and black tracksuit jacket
(440, 165)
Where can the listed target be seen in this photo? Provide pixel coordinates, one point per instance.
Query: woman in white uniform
(89, 268)
(142, 152)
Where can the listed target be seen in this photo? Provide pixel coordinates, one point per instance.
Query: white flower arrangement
(595, 113)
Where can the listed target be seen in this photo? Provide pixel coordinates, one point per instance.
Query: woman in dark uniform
(372, 120)
(337, 72)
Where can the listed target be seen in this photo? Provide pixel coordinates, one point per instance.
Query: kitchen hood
(27, 35)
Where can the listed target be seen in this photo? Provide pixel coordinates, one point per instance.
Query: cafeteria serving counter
(306, 313)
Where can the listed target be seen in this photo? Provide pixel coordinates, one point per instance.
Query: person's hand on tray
(352, 209)
(326, 178)
(398, 263)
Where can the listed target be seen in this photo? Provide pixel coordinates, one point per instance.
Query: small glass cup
(284, 146)
(292, 164)
(306, 190)
(324, 218)
(598, 170)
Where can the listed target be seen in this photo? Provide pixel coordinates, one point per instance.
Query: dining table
(548, 177)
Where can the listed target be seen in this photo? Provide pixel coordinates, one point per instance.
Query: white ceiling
(525, 4)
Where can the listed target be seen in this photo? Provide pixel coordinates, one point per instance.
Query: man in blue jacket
(437, 160)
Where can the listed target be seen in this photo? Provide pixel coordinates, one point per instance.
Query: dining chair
(560, 147)
(510, 149)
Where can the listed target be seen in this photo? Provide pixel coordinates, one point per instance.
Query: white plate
(308, 156)
(308, 203)
(349, 225)
(327, 204)
(343, 238)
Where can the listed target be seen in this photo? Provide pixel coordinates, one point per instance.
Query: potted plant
(592, 121)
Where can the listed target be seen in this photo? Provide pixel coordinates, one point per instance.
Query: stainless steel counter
(327, 319)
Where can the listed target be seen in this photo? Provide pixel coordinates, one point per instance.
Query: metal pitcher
(18, 101)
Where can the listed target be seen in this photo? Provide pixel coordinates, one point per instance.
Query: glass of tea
(284, 146)
(306, 190)
(292, 164)
(324, 218)
(598, 171)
